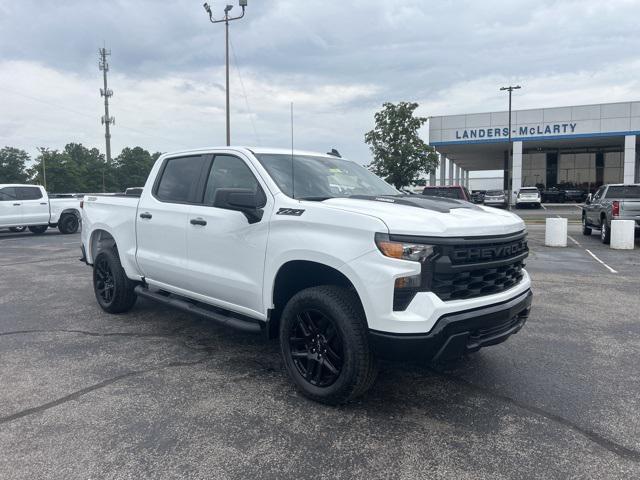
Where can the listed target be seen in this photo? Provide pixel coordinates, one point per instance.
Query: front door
(10, 208)
(35, 207)
(226, 250)
(162, 221)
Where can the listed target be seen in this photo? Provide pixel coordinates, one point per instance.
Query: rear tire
(585, 229)
(38, 229)
(68, 224)
(325, 346)
(114, 291)
(17, 229)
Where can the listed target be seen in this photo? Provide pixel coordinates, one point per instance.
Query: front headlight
(415, 252)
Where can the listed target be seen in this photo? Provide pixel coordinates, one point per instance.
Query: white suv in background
(529, 196)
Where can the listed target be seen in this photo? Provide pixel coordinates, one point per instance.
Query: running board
(252, 326)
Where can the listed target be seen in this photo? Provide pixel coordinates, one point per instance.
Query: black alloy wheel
(105, 281)
(69, 224)
(316, 348)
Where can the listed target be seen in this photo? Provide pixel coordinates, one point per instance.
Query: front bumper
(457, 333)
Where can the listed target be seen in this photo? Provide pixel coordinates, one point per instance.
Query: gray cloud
(449, 56)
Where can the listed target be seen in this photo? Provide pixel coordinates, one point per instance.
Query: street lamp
(227, 18)
(510, 89)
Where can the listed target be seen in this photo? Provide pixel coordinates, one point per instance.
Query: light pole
(510, 89)
(226, 20)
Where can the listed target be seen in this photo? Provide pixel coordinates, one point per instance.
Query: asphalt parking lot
(156, 393)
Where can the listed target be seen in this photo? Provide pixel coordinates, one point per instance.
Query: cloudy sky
(337, 61)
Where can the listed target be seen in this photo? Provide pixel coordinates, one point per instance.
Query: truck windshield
(318, 178)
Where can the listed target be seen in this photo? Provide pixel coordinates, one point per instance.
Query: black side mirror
(242, 200)
(588, 200)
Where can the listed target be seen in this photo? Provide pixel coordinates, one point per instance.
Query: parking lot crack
(97, 386)
(604, 442)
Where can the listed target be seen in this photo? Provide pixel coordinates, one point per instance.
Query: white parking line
(543, 206)
(600, 261)
(573, 240)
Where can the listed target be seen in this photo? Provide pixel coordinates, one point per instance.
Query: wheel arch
(296, 275)
(100, 240)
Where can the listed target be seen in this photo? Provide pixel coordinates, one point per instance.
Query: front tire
(38, 229)
(114, 291)
(605, 232)
(585, 229)
(324, 344)
(68, 224)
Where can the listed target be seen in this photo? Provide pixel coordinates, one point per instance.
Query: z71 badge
(296, 212)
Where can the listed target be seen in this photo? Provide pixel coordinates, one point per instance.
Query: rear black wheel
(586, 230)
(114, 291)
(323, 338)
(38, 229)
(68, 224)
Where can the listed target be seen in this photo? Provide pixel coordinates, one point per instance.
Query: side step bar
(172, 301)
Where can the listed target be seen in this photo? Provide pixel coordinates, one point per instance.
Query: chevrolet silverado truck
(315, 251)
(611, 202)
(29, 206)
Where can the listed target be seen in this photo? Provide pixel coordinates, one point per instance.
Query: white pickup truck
(29, 206)
(314, 250)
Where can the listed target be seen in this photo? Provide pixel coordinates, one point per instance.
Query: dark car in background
(453, 191)
(496, 198)
(572, 195)
(477, 196)
(553, 195)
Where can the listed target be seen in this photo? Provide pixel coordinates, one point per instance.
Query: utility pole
(106, 93)
(226, 20)
(510, 89)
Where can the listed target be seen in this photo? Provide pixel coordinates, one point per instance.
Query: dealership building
(580, 146)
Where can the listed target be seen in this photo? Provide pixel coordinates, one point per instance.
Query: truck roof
(265, 150)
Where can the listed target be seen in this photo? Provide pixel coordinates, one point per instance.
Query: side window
(29, 193)
(228, 172)
(179, 179)
(7, 194)
(598, 194)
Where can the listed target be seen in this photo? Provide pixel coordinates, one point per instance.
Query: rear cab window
(29, 193)
(179, 179)
(7, 194)
(624, 192)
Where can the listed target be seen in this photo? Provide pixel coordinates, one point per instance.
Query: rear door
(227, 251)
(162, 220)
(10, 207)
(35, 206)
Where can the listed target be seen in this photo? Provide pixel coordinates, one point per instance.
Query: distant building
(582, 146)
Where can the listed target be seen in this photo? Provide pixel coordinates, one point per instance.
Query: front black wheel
(323, 339)
(114, 291)
(38, 229)
(68, 224)
(586, 230)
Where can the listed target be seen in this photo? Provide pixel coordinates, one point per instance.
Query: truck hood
(431, 216)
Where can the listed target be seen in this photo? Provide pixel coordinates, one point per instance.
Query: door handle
(145, 215)
(43, 203)
(16, 204)
(198, 221)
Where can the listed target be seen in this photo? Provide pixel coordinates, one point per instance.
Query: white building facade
(574, 147)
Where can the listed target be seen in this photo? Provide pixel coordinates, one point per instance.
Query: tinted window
(228, 172)
(622, 192)
(29, 193)
(7, 194)
(444, 192)
(179, 179)
(598, 193)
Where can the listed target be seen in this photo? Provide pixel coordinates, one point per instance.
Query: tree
(399, 154)
(13, 165)
(132, 167)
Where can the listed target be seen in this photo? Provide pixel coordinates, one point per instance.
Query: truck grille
(474, 267)
(477, 282)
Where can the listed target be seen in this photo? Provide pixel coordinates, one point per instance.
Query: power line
(244, 93)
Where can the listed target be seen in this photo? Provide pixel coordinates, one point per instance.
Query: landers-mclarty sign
(520, 131)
